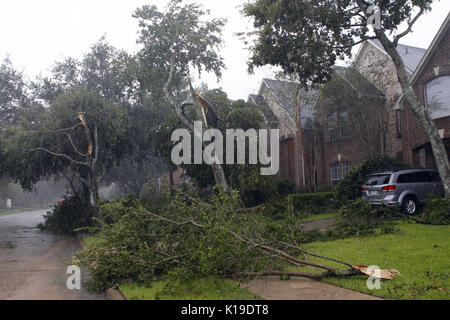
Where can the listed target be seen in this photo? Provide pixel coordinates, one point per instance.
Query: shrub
(67, 216)
(313, 202)
(437, 211)
(255, 189)
(350, 187)
(185, 238)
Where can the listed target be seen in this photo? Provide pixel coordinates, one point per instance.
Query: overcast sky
(35, 33)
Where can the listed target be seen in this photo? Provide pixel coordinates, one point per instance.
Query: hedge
(313, 202)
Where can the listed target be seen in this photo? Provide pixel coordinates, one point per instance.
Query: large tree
(13, 93)
(176, 42)
(305, 37)
(81, 135)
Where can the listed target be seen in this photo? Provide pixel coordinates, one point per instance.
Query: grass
(421, 253)
(211, 288)
(3, 213)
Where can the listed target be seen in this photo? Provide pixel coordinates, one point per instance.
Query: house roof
(263, 106)
(426, 58)
(348, 74)
(285, 91)
(410, 55)
(437, 39)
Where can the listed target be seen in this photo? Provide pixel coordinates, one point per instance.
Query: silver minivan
(408, 189)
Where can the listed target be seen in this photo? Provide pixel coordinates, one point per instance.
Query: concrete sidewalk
(273, 288)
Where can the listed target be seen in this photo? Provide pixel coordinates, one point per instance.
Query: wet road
(33, 264)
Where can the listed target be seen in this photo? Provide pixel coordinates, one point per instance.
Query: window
(434, 176)
(422, 177)
(344, 125)
(378, 180)
(333, 127)
(338, 126)
(398, 120)
(415, 177)
(438, 97)
(338, 171)
(405, 178)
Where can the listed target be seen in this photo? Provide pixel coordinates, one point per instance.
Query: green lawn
(421, 253)
(199, 289)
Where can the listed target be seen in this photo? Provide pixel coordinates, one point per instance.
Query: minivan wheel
(410, 206)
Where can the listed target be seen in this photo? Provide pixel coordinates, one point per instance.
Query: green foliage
(301, 205)
(313, 203)
(437, 211)
(350, 187)
(13, 98)
(184, 238)
(255, 189)
(68, 216)
(179, 37)
(306, 37)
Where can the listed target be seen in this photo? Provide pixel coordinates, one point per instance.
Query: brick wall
(413, 134)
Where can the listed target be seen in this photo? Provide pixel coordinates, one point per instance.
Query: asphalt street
(33, 264)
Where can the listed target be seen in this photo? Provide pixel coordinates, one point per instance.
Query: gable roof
(437, 39)
(285, 91)
(426, 58)
(410, 55)
(263, 106)
(348, 74)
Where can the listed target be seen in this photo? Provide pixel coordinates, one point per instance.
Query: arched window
(338, 171)
(438, 97)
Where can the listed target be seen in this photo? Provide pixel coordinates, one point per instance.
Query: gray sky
(35, 33)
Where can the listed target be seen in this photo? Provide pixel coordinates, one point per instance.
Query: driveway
(33, 264)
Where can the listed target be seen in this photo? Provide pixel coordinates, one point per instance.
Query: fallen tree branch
(281, 273)
(316, 255)
(302, 262)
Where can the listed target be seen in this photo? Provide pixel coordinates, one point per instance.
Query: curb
(111, 293)
(115, 294)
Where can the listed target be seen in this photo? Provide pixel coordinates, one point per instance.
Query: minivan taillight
(388, 189)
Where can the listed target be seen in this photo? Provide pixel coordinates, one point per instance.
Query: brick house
(322, 152)
(431, 82)
(279, 101)
(338, 145)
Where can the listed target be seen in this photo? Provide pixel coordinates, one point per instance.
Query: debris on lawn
(377, 273)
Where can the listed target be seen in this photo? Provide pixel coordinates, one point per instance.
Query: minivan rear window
(378, 180)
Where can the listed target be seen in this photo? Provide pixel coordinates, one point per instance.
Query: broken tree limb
(316, 255)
